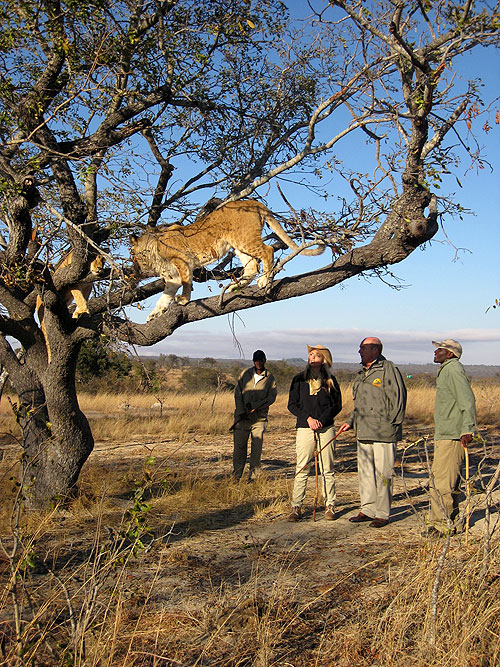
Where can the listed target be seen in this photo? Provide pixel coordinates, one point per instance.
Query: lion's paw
(154, 315)
(77, 313)
(263, 282)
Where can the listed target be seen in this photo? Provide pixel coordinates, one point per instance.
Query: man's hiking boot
(330, 513)
(295, 515)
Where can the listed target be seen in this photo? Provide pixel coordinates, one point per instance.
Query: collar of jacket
(376, 364)
(445, 363)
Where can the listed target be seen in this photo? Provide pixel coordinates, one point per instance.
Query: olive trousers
(243, 430)
(448, 459)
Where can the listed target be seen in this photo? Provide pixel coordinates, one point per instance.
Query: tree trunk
(56, 435)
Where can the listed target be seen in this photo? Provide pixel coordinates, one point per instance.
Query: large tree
(116, 116)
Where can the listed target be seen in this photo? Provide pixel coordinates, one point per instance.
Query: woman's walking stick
(467, 491)
(316, 474)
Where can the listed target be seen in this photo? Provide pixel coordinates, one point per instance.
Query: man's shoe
(330, 513)
(379, 523)
(359, 518)
(295, 515)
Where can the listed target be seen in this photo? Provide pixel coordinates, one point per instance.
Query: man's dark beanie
(259, 355)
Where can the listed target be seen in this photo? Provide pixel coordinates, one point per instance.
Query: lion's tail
(283, 236)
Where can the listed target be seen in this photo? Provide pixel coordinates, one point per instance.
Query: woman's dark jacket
(322, 406)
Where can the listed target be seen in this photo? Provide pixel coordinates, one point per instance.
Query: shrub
(204, 379)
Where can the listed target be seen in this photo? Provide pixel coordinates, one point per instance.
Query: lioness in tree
(174, 251)
(79, 293)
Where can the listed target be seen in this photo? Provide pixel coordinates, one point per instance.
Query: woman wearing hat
(314, 399)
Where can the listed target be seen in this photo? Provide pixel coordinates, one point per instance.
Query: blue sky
(445, 293)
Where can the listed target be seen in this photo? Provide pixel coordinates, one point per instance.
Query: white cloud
(480, 346)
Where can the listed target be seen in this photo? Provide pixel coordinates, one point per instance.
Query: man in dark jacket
(255, 391)
(379, 394)
(455, 423)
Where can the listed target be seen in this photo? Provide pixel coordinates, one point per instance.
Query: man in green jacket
(255, 391)
(455, 424)
(379, 394)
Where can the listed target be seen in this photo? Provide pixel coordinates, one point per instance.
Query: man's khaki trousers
(375, 468)
(448, 459)
(243, 430)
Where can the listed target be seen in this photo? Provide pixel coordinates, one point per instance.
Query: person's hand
(465, 439)
(314, 424)
(345, 427)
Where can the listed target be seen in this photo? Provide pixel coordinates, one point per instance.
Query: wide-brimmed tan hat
(327, 355)
(451, 345)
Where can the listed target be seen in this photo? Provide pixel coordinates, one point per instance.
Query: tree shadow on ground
(411, 493)
(480, 514)
(403, 512)
(218, 519)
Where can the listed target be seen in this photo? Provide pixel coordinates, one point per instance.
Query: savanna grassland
(160, 558)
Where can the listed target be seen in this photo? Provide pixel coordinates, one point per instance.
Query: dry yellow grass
(97, 605)
(85, 600)
(114, 416)
(374, 614)
(209, 413)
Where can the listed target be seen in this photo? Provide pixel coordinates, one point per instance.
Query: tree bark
(57, 438)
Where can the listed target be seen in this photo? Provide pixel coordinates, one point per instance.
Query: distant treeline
(101, 368)
(473, 370)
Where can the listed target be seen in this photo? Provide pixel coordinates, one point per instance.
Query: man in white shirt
(255, 391)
